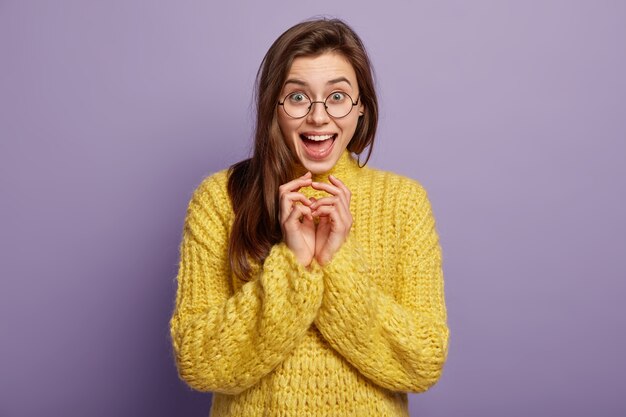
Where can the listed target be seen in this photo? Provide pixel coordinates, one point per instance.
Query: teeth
(318, 138)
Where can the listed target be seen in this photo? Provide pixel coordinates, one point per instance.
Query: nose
(318, 115)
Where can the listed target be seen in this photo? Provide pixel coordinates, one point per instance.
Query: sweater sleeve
(224, 340)
(399, 342)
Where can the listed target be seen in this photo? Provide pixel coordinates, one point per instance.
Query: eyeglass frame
(354, 103)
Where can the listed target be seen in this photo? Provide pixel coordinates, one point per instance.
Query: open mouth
(318, 146)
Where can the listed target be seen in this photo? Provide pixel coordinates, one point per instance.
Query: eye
(337, 96)
(297, 98)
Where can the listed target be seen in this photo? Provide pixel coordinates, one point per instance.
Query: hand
(296, 220)
(335, 219)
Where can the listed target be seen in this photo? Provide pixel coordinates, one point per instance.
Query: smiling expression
(317, 139)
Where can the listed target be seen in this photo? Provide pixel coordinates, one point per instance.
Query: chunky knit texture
(347, 339)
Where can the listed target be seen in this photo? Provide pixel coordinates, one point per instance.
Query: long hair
(253, 183)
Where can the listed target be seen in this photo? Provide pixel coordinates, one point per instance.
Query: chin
(318, 168)
(321, 166)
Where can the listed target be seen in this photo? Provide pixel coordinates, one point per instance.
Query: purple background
(511, 114)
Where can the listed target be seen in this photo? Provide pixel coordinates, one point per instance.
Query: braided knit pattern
(347, 339)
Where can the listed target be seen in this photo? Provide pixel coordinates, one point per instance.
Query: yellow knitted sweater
(347, 339)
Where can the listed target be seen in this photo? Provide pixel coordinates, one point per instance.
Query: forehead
(322, 68)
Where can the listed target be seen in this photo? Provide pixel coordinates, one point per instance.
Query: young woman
(309, 284)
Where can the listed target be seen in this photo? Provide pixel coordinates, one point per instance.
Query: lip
(314, 155)
(313, 133)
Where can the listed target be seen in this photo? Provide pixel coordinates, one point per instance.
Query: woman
(307, 284)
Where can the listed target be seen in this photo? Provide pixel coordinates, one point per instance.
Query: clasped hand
(300, 233)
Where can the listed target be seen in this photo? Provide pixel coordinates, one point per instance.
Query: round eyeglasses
(338, 104)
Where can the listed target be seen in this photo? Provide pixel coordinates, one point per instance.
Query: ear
(361, 108)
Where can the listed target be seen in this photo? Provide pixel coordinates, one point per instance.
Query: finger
(287, 203)
(329, 188)
(338, 183)
(293, 220)
(335, 215)
(347, 195)
(294, 197)
(324, 201)
(340, 203)
(338, 224)
(339, 190)
(296, 184)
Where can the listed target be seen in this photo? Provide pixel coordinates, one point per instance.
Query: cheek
(286, 125)
(350, 125)
(286, 129)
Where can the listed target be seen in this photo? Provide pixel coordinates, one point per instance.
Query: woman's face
(318, 139)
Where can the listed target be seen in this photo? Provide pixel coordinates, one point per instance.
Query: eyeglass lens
(338, 104)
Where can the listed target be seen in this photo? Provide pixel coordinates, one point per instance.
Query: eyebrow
(333, 81)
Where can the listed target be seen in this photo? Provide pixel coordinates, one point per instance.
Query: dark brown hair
(253, 183)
